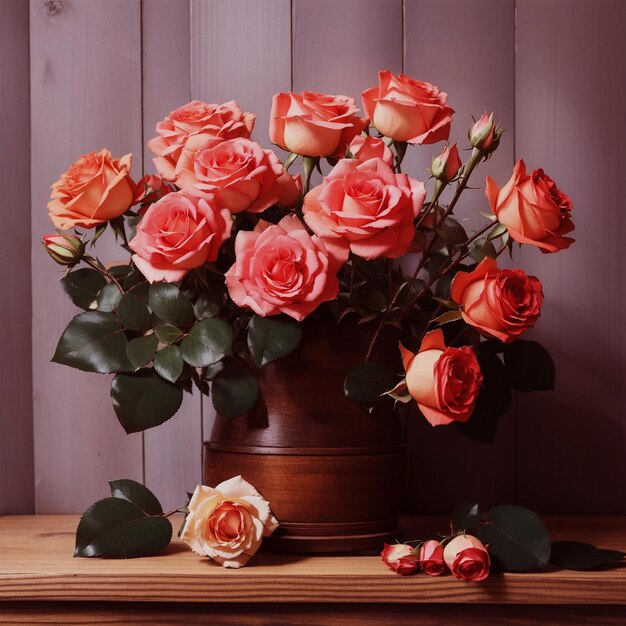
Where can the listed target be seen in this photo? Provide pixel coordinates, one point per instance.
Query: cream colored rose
(228, 523)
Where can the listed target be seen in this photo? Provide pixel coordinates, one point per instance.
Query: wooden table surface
(36, 563)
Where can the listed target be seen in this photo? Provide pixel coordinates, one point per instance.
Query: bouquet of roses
(228, 252)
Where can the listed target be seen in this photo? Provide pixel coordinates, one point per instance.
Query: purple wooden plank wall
(16, 426)
(102, 73)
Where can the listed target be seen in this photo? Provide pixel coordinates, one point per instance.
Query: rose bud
(447, 165)
(393, 552)
(409, 110)
(533, 209)
(467, 558)
(431, 558)
(483, 133)
(150, 189)
(500, 303)
(95, 189)
(364, 148)
(228, 523)
(407, 565)
(314, 124)
(66, 250)
(443, 381)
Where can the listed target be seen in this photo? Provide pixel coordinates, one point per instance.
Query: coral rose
(447, 165)
(239, 171)
(365, 148)
(367, 207)
(282, 269)
(150, 189)
(431, 558)
(408, 110)
(228, 523)
(467, 558)
(501, 303)
(314, 124)
(533, 209)
(200, 120)
(443, 381)
(95, 189)
(290, 189)
(178, 233)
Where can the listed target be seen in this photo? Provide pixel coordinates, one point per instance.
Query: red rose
(501, 303)
(431, 558)
(467, 558)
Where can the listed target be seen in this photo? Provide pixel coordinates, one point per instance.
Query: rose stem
(102, 271)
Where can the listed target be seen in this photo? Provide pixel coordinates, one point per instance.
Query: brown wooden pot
(333, 473)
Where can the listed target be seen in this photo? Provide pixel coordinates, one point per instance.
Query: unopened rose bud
(447, 165)
(485, 133)
(66, 250)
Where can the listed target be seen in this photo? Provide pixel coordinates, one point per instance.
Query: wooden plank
(467, 49)
(37, 564)
(16, 424)
(571, 121)
(173, 451)
(63, 613)
(86, 94)
(240, 50)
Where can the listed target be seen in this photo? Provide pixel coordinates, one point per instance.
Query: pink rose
(533, 209)
(443, 381)
(150, 189)
(392, 552)
(409, 110)
(282, 269)
(200, 120)
(290, 190)
(447, 165)
(178, 233)
(483, 134)
(367, 207)
(228, 523)
(365, 148)
(314, 124)
(243, 175)
(467, 558)
(94, 190)
(501, 303)
(431, 558)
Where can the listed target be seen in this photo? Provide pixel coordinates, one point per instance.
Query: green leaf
(133, 313)
(108, 298)
(493, 400)
(529, 366)
(465, 516)
(83, 286)
(168, 333)
(116, 527)
(208, 304)
(372, 300)
(452, 232)
(168, 363)
(144, 400)
(136, 493)
(517, 539)
(93, 342)
(447, 317)
(97, 233)
(483, 248)
(497, 232)
(270, 339)
(140, 351)
(234, 391)
(170, 305)
(208, 341)
(582, 556)
(366, 382)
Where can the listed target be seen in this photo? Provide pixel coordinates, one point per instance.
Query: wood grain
(85, 94)
(16, 423)
(172, 452)
(467, 49)
(37, 564)
(153, 614)
(571, 121)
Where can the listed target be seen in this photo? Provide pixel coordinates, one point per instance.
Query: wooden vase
(333, 473)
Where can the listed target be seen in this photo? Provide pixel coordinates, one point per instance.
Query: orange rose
(314, 124)
(409, 110)
(501, 303)
(443, 381)
(228, 523)
(533, 209)
(95, 189)
(200, 120)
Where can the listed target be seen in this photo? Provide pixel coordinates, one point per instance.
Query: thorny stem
(104, 272)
